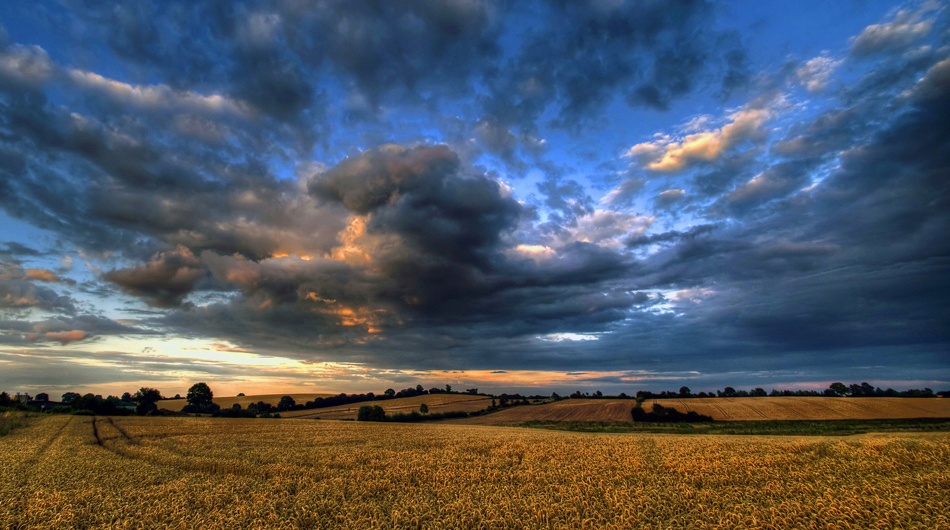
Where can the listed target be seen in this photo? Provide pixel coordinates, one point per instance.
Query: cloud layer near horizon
(265, 190)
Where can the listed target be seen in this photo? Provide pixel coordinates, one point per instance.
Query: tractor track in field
(122, 444)
(30, 463)
(755, 410)
(720, 409)
(829, 409)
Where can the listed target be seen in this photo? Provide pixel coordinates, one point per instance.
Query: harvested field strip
(853, 403)
(830, 410)
(922, 409)
(790, 410)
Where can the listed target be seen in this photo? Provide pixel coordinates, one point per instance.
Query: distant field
(727, 409)
(228, 402)
(216, 473)
(435, 402)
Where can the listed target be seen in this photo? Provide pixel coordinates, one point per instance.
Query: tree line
(836, 389)
(200, 400)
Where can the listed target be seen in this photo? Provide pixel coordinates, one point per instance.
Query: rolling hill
(720, 409)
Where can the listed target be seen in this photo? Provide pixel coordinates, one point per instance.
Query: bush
(10, 420)
(663, 414)
(414, 417)
(372, 413)
(234, 413)
(208, 408)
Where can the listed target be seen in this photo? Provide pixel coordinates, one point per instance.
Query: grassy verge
(777, 427)
(10, 420)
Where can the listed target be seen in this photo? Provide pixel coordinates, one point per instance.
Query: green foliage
(423, 408)
(11, 419)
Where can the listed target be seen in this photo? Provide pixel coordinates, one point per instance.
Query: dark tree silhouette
(839, 389)
(200, 396)
(146, 398)
(286, 403)
(371, 413)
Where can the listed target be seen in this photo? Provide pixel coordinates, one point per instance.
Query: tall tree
(200, 396)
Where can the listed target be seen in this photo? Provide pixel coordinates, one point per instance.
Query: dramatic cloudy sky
(510, 195)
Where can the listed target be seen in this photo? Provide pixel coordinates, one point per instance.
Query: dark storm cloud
(671, 236)
(274, 51)
(584, 53)
(638, 47)
(164, 281)
(133, 185)
(775, 182)
(859, 261)
(430, 255)
(420, 195)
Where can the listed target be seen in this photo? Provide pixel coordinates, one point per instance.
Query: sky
(530, 196)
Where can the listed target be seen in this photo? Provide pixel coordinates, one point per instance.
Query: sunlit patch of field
(727, 409)
(176, 405)
(132, 472)
(435, 402)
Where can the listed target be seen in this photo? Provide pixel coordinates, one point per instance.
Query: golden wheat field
(133, 472)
